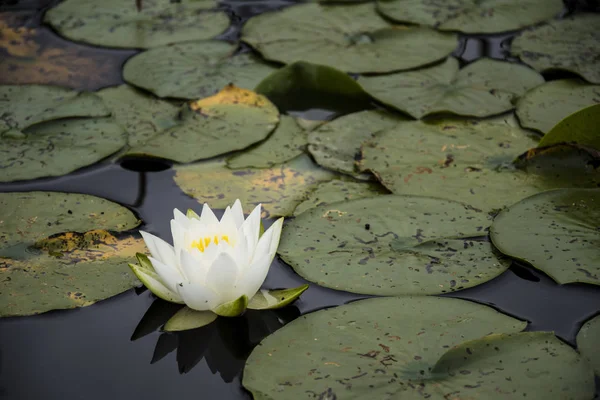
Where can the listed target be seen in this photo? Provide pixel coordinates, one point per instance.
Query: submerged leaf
(272, 299)
(186, 318)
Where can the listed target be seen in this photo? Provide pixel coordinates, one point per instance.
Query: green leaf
(233, 308)
(286, 142)
(556, 232)
(569, 44)
(194, 70)
(117, 23)
(384, 348)
(280, 188)
(271, 299)
(546, 105)
(483, 88)
(302, 85)
(153, 283)
(186, 318)
(580, 127)
(351, 38)
(391, 245)
(472, 16)
(339, 190)
(336, 144)
(587, 342)
(192, 214)
(232, 119)
(144, 262)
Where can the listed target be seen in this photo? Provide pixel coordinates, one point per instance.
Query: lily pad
(472, 16)
(391, 245)
(351, 38)
(571, 44)
(58, 147)
(186, 319)
(414, 348)
(232, 119)
(339, 190)
(545, 106)
(556, 232)
(26, 105)
(587, 342)
(140, 115)
(42, 269)
(286, 142)
(117, 23)
(273, 299)
(580, 127)
(483, 88)
(336, 144)
(279, 189)
(193, 70)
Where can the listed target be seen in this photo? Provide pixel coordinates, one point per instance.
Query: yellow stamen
(203, 243)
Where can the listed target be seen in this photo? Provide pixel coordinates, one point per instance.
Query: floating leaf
(280, 188)
(117, 23)
(335, 145)
(472, 16)
(352, 38)
(272, 299)
(587, 342)
(140, 115)
(483, 88)
(194, 70)
(233, 308)
(286, 142)
(231, 120)
(41, 270)
(303, 85)
(414, 347)
(186, 318)
(580, 127)
(339, 190)
(390, 245)
(570, 44)
(546, 105)
(556, 232)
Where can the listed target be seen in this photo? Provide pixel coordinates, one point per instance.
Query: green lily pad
(302, 85)
(339, 190)
(233, 308)
(117, 23)
(140, 115)
(556, 232)
(232, 119)
(336, 144)
(587, 342)
(56, 253)
(391, 245)
(483, 88)
(570, 44)
(545, 106)
(194, 70)
(286, 142)
(472, 16)
(58, 147)
(351, 38)
(272, 299)
(279, 189)
(414, 348)
(186, 318)
(580, 127)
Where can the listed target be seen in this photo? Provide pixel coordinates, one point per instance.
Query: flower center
(203, 243)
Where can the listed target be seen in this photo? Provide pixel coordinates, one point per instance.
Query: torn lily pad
(483, 88)
(545, 106)
(392, 245)
(116, 23)
(232, 119)
(351, 38)
(193, 70)
(571, 44)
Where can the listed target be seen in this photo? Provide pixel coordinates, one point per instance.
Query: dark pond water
(113, 349)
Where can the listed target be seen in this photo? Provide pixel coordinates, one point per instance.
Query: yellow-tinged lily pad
(186, 318)
(233, 308)
(272, 299)
(279, 189)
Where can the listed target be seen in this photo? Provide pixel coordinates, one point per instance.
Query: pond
(115, 348)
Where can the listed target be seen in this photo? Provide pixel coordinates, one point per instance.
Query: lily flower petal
(181, 218)
(197, 296)
(153, 282)
(222, 277)
(208, 217)
(160, 250)
(193, 268)
(238, 213)
(169, 275)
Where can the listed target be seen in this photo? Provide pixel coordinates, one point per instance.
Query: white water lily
(212, 263)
